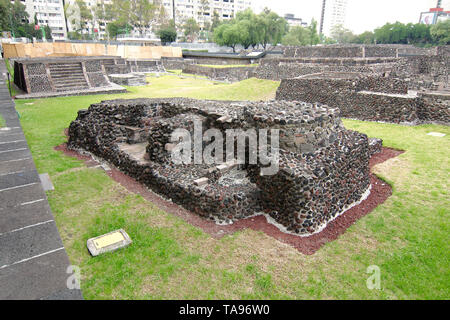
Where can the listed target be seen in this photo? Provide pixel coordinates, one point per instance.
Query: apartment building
(97, 27)
(203, 10)
(333, 13)
(48, 12)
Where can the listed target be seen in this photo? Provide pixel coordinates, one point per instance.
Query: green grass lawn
(10, 85)
(407, 236)
(2, 121)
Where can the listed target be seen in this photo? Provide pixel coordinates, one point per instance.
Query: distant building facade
(334, 13)
(48, 12)
(203, 10)
(293, 21)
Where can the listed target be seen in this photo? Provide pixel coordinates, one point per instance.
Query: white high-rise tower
(333, 13)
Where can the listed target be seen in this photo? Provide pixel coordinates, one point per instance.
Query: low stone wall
(341, 51)
(434, 107)
(176, 63)
(232, 74)
(219, 60)
(314, 185)
(278, 69)
(147, 65)
(368, 98)
(424, 72)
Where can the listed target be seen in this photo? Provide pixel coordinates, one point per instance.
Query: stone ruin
(323, 167)
(55, 76)
(389, 83)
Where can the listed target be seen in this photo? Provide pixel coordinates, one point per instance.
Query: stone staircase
(68, 76)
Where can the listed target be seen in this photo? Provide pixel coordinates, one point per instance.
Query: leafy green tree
(227, 34)
(116, 28)
(5, 9)
(342, 35)
(142, 13)
(48, 32)
(367, 37)
(274, 27)
(167, 34)
(215, 21)
(251, 27)
(313, 34)
(85, 15)
(191, 29)
(19, 19)
(297, 36)
(440, 32)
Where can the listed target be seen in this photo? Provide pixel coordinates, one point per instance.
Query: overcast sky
(362, 15)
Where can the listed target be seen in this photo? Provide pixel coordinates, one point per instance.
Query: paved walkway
(33, 261)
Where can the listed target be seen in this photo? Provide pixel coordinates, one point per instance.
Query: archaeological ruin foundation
(323, 169)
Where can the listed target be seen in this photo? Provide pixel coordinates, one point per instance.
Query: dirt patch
(307, 245)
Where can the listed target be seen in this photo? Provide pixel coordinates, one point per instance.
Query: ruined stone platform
(323, 168)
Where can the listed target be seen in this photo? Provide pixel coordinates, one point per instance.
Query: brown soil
(307, 245)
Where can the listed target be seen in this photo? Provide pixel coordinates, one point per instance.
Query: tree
(297, 36)
(167, 33)
(191, 29)
(80, 16)
(314, 37)
(227, 34)
(19, 19)
(142, 13)
(215, 21)
(342, 35)
(440, 32)
(251, 28)
(5, 8)
(367, 37)
(116, 28)
(273, 28)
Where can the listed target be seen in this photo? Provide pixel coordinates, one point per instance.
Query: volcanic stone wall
(95, 72)
(32, 77)
(366, 98)
(434, 107)
(232, 74)
(312, 187)
(42, 74)
(424, 72)
(340, 51)
(176, 63)
(143, 65)
(285, 68)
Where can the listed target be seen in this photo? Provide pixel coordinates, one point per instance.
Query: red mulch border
(307, 245)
